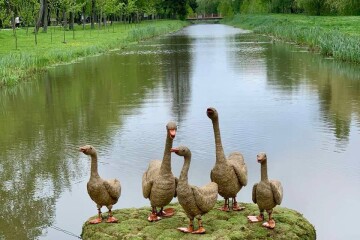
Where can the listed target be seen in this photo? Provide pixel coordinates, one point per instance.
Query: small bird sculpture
(158, 182)
(102, 192)
(266, 194)
(196, 201)
(229, 173)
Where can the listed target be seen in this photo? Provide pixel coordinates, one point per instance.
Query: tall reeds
(328, 40)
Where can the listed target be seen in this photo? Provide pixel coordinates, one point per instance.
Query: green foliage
(253, 6)
(133, 224)
(225, 9)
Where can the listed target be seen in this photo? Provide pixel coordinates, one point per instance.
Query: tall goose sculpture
(266, 194)
(229, 173)
(196, 201)
(158, 182)
(102, 192)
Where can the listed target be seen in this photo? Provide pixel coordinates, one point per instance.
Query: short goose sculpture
(196, 201)
(266, 194)
(102, 192)
(158, 182)
(230, 174)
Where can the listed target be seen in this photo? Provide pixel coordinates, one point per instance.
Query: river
(302, 109)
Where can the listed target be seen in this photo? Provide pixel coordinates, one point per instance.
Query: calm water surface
(302, 109)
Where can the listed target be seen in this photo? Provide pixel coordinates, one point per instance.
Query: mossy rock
(133, 224)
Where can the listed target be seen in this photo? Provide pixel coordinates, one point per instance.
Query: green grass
(24, 61)
(335, 36)
(133, 224)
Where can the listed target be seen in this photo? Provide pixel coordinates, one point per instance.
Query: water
(301, 109)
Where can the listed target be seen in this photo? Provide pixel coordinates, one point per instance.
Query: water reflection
(295, 105)
(336, 83)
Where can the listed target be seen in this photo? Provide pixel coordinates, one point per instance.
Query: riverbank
(23, 59)
(133, 224)
(332, 36)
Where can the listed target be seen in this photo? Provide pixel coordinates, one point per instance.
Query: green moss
(133, 224)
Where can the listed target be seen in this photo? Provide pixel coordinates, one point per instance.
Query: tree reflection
(44, 122)
(337, 84)
(177, 73)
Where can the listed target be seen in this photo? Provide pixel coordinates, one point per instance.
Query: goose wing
(205, 196)
(113, 187)
(236, 160)
(254, 193)
(149, 176)
(277, 191)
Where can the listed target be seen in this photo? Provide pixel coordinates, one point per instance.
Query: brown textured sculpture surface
(196, 201)
(230, 174)
(158, 182)
(266, 194)
(102, 192)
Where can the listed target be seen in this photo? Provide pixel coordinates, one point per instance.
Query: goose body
(158, 182)
(266, 194)
(196, 201)
(229, 173)
(102, 192)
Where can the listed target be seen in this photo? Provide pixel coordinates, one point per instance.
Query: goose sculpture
(158, 182)
(266, 194)
(229, 173)
(196, 201)
(102, 192)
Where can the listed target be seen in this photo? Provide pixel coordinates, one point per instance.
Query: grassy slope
(219, 225)
(337, 36)
(19, 64)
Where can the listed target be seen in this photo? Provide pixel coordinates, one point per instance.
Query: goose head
(171, 129)
(211, 113)
(261, 157)
(87, 149)
(181, 151)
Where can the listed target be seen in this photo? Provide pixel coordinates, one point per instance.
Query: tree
(314, 7)
(225, 8)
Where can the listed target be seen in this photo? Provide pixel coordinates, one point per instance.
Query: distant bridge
(204, 17)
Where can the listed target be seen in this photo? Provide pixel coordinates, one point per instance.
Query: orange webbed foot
(95, 221)
(153, 217)
(255, 218)
(270, 224)
(112, 220)
(186, 230)
(201, 230)
(167, 212)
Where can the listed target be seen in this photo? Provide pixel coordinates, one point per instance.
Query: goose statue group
(160, 186)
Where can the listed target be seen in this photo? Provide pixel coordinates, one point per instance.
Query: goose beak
(175, 150)
(82, 149)
(172, 133)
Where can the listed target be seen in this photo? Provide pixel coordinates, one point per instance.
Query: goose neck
(94, 166)
(185, 170)
(264, 175)
(220, 156)
(166, 162)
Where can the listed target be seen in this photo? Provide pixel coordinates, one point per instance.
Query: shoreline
(29, 60)
(332, 36)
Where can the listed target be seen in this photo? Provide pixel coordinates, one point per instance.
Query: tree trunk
(64, 19)
(71, 25)
(41, 15)
(45, 16)
(83, 17)
(92, 14)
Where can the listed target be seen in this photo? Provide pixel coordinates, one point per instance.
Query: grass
(133, 224)
(334, 36)
(22, 61)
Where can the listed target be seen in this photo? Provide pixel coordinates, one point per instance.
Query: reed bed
(27, 59)
(337, 37)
